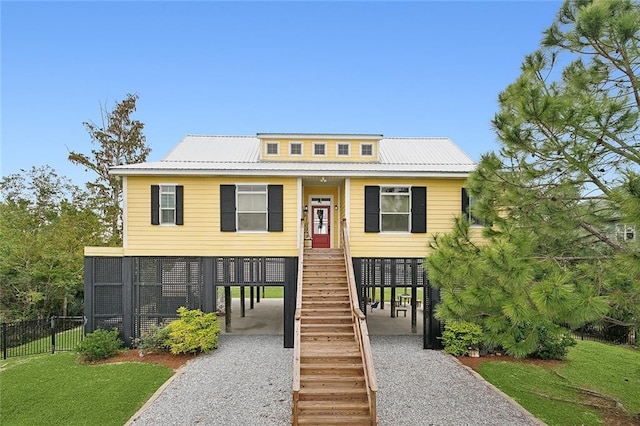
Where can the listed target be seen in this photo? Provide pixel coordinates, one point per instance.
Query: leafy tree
(119, 140)
(567, 172)
(45, 222)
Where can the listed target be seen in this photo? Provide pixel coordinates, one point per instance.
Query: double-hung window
(467, 208)
(167, 204)
(252, 207)
(395, 208)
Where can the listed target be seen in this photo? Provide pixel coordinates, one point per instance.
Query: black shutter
(371, 209)
(155, 204)
(465, 202)
(274, 193)
(179, 205)
(419, 209)
(228, 208)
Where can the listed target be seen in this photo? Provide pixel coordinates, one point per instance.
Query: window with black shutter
(418, 209)
(167, 204)
(371, 209)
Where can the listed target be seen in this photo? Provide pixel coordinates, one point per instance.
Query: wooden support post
(393, 302)
(242, 296)
(227, 309)
(251, 289)
(257, 294)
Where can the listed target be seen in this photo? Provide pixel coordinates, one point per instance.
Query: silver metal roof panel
(237, 155)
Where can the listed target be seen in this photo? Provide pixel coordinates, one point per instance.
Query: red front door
(321, 228)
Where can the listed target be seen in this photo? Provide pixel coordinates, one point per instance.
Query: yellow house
(234, 210)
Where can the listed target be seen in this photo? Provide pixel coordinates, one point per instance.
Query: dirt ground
(161, 358)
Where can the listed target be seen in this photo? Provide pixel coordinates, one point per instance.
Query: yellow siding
(331, 150)
(104, 251)
(443, 204)
(200, 235)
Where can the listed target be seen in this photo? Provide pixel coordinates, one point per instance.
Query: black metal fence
(607, 333)
(30, 337)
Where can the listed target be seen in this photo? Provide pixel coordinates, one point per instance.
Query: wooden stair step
(328, 319)
(330, 419)
(337, 381)
(329, 393)
(328, 370)
(332, 407)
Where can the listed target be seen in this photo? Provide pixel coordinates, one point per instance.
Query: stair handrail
(362, 331)
(297, 327)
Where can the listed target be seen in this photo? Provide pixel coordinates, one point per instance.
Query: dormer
(342, 148)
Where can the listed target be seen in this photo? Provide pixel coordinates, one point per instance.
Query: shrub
(100, 344)
(153, 340)
(459, 337)
(194, 331)
(554, 342)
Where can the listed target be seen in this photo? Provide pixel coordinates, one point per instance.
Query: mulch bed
(166, 359)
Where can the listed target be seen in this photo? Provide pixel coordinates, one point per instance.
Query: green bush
(194, 332)
(153, 340)
(459, 337)
(100, 344)
(553, 342)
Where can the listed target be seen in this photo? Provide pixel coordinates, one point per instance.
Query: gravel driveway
(247, 381)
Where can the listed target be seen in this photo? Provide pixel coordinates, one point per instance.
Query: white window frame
(341, 144)
(407, 213)
(167, 189)
(291, 144)
(362, 145)
(266, 206)
(324, 148)
(625, 232)
(473, 221)
(270, 144)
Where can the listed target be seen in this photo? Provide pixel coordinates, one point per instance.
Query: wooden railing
(297, 327)
(362, 332)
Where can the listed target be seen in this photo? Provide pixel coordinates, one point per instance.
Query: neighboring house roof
(240, 155)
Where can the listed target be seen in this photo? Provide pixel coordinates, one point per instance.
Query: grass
(270, 292)
(552, 393)
(277, 292)
(56, 390)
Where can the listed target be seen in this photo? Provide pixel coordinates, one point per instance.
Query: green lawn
(552, 394)
(56, 390)
(270, 292)
(278, 292)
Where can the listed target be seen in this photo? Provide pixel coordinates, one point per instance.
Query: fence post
(53, 335)
(4, 340)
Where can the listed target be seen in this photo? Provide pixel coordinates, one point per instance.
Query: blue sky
(238, 68)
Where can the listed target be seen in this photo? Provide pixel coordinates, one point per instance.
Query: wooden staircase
(332, 377)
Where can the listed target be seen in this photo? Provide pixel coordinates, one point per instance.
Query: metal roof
(240, 155)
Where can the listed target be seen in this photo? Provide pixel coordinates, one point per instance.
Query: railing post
(53, 335)
(4, 340)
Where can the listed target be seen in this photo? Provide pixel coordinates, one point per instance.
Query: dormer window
(295, 148)
(343, 150)
(320, 149)
(366, 150)
(273, 148)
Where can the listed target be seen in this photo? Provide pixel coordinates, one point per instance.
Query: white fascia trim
(125, 210)
(297, 173)
(347, 203)
(299, 207)
(325, 136)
